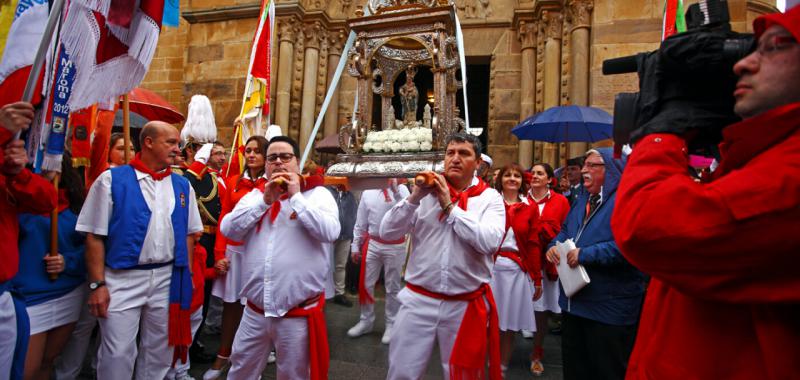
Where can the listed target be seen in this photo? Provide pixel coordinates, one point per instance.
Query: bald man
(139, 219)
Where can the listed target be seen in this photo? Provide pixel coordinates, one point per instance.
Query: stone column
(552, 73)
(283, 95)
(581, 16)
(527, 38)
(337, 40)
(313, 34)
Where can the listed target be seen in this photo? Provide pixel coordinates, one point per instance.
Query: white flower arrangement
(399, 140)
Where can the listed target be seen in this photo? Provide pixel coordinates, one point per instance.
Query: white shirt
(371, 210)
(159, 242)
(287, 262)
(454, 255)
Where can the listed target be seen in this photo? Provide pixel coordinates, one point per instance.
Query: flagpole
(54, 228)
(126, 126)
(38, 62)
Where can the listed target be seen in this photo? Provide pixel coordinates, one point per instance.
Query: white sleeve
(96, 211)
(195, 224)
(244, 216)
(318, 213)
(398, 220)
(482, 231)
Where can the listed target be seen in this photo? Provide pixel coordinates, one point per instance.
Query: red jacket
(555, 212)
(24, 192)
(724, 299)
(524, 219)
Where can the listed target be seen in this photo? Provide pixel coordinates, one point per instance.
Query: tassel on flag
(255, 101)
(674, 21)
(111, 44)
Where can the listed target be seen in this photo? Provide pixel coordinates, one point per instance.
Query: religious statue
(409, 96)
(426, 116)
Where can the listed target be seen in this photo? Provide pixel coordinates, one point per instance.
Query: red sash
(468, 357)
(364, 297)
(513, 256)
(318, 351)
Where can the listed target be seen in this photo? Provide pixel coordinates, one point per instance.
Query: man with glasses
(287, 228)
(456, 225)
(724, 298)
(599, 321)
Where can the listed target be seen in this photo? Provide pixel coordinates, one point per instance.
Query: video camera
(687, 84)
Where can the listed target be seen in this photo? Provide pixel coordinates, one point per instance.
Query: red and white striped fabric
(112, 43)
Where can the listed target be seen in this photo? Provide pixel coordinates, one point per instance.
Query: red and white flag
(111, 43)
(30, 18)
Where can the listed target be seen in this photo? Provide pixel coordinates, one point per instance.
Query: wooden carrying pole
(126, 126)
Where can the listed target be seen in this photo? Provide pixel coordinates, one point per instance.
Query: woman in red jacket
(552, 210)
(517, 273)
(227, 253)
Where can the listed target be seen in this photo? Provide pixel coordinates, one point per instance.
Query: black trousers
(594, 350)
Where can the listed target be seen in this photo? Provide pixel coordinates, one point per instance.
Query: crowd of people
(688, 278)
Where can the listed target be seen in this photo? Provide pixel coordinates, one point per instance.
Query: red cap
(789, 20)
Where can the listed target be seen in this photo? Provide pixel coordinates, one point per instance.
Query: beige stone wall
(209, 55)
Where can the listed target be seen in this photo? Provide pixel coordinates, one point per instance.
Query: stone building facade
(540, 54)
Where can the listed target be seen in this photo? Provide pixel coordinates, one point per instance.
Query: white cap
(488, 160)
(273, 130)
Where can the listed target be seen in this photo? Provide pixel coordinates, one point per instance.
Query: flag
(57, 120)
(255, 101)
(7, 12)
(19, 46)
(111, 46)
(98, 161)
(674, 21)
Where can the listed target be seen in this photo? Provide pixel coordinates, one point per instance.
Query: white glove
(203, 153)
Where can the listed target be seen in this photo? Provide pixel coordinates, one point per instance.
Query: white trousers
(390, 258)
(8, 334)
(181, 367)
(341, 252)
(70, 362)
(258, 335)
(139, 305)
(422, 321)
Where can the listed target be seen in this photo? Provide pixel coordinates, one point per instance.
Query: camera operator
(724, 299)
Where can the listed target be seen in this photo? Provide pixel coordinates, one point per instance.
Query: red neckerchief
(386, 196)
(137, 164)
(511, 211)
(460, 198)
(544, 199)
(306, 183)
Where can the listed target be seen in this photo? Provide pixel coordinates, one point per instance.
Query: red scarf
(306, 183)
(364, 297)
(318, 351)
(460, 198)
(137, 164)
(468, 357)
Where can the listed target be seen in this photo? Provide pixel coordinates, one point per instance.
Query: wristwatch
(96, 284)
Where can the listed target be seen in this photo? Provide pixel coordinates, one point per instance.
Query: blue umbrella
(566, 124)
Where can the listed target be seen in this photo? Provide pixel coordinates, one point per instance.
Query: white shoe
(271, 358)
(387, 335)
(184, 376)
(361, 328)
(527, 334)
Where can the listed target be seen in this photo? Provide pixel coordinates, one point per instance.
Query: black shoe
(198, 355)
(340, 299)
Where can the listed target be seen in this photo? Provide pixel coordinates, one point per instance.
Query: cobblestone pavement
(366, 358)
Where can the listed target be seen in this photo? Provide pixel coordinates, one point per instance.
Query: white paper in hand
(572, 279)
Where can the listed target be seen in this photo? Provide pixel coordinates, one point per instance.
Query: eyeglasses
(592, 165)
(774, 43)
(284, 157)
